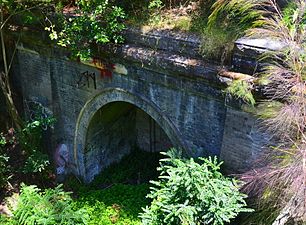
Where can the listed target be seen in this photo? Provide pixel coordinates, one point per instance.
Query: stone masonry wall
(150, 136)
(188, 106)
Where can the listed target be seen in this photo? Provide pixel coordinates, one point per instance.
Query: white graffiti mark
(35, 110)
(61, 158)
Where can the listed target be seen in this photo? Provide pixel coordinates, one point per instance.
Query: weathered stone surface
(247, 51)
(183, 99)
(175, 42)
(242, 140)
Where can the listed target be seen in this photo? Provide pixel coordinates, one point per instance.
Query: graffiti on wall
(86, 79)
(35, 110)
(105, 68)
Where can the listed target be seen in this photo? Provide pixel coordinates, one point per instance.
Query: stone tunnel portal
(115, 122)
(119, 128)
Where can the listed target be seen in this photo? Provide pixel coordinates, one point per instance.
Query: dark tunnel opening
(122, 136)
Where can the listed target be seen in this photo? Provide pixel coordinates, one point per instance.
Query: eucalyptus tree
(8, 10)
(279, 183)
(5, 7)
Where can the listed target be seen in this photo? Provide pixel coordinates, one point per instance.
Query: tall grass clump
(278, 184)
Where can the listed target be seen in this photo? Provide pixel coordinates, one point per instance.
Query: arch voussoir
(118, 95)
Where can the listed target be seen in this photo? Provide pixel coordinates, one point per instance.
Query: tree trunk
(5, 83)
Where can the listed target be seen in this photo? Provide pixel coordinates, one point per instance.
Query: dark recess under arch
(112, 123)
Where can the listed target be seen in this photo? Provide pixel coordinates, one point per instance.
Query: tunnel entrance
(120, 129)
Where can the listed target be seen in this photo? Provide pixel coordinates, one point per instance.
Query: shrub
(3, 169)
(277, 184)
(193, 193)
(52, 206)
(6, 220)
(94, 22)
(4, 177)
(30, 139)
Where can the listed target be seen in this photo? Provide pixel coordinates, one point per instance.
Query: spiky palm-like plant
(279, 183)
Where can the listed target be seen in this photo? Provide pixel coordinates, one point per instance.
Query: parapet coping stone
(262, 44)
(166, 58)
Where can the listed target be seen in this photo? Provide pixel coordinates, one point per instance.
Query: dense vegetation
(189, 192)
(118, 195)
(276, 187)
(278, 183)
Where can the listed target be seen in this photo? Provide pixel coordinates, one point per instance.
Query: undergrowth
(119, 204)
(217, 39)
(136, 168)
(118, 194)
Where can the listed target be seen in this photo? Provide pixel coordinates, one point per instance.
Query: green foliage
(30, 139)
(36, 162)
(4, 176)
(218, 36)
(143, 169)
(118, 204)
(242, 90)
(4, 220)
(290, 15)
(155, 4)
(188, 192)
(95, 22)
(217, 43)
(2, 141)
(268, 109)
(117, 195)
(242, 13)
(52, 206)
(278, 184)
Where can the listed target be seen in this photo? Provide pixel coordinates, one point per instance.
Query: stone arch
(118, 95)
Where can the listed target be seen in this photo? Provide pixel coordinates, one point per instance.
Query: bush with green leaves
(189, 192)
(5, 220)
(94, 22)
(30, 138)
(49, 207)
(4, 177)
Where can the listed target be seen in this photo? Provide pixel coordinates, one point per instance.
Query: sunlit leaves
(242, 90)
(190, 192)
(94, 22)
(49, 207)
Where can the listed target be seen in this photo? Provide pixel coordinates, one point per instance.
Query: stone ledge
(167, 40)
(168, 63)
(247, 51)
(170, 52)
